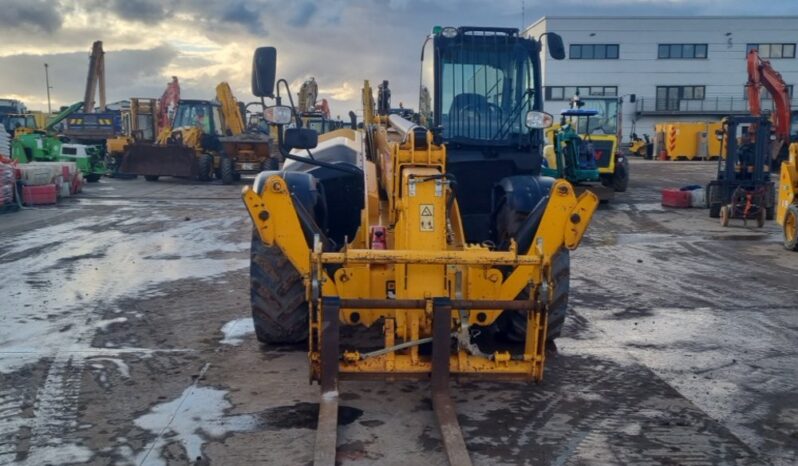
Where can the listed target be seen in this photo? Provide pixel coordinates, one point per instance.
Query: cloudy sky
(203, 42)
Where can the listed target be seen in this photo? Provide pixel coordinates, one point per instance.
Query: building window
(594, 52)
(765, 95)
(670, 97)
(566, 92)
(773, 50)
(682, 51)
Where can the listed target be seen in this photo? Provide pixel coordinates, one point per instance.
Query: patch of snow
(190, 419)
(49, 313)
(121, 365)
(235, 331)
(104, 324)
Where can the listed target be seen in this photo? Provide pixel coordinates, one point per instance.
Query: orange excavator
(762, 75)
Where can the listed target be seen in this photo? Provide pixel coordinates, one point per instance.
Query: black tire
(277, 294)
(227, 170)
(205, 162)
(151, 177)
(714, 210)
(620, 179)
(512, 324)
(790, 228)
(93, 177)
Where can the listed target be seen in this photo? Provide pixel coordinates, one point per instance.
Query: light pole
(47, 80)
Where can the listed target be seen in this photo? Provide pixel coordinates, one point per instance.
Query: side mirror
(556, 47)
(301, 138)
(264, 69)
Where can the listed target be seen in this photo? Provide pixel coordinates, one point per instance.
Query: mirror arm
(290, 99)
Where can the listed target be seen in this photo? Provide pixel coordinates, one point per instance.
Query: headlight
(277, 115)
(539, 120)
(449, 32)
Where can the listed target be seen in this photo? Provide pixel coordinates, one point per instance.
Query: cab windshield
(201, 115)
(485, 89)
(605, 122)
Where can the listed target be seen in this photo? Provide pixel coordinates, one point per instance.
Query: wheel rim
(790, 226)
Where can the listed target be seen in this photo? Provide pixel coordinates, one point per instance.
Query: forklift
(743, 188)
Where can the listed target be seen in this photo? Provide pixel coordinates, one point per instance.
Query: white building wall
(639, 71)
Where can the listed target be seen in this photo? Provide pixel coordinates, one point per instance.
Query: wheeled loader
(440, 248)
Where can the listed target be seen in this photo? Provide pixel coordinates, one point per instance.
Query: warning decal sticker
(427, 214)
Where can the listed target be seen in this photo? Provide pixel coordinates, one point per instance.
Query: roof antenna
(523, 15)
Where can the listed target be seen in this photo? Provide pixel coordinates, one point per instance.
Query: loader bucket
(157, 160)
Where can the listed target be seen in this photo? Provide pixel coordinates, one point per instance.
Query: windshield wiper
(508, 122)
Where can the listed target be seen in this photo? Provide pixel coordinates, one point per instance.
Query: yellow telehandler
(441, 248)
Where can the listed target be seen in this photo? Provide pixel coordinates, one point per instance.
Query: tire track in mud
(592, 410)
(47, 434)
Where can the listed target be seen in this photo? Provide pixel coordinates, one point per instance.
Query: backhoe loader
(206, 139)
(440, 247)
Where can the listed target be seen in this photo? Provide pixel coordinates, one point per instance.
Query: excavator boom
(761, 74)
(233, 120)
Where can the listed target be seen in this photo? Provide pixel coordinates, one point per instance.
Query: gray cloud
(303, 14)
(246, 14)
(41, 15)
(130, 73)
(141, 10)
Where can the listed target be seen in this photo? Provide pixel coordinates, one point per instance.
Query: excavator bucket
(160, 160)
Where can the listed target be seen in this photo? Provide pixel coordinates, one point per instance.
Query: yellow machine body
(787, 208)
(424, 257)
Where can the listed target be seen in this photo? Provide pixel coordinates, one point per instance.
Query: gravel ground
(124, 339)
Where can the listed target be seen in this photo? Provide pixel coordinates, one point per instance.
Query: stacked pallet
(5, 142)
(45, 182)
(8, 180)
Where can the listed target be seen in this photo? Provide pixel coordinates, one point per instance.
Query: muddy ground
(124, 339)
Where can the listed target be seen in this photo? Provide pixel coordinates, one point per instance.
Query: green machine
(571, 157)
(47, 146)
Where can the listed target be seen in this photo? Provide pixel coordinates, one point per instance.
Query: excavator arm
(167, 105)
(761, 74)
(233, 120)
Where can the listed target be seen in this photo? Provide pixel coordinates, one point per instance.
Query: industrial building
(679, 68)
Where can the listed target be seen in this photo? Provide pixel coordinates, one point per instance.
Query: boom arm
(761, 73)
(233, 120)
(95, 78)
(63, 115)
(168, 104)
